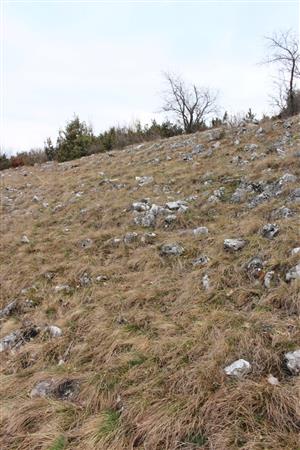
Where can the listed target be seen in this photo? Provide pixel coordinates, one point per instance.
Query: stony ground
(150, 296)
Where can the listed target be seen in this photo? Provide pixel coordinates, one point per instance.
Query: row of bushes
(78, 139)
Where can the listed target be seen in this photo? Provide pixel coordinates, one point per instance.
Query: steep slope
(122, 305)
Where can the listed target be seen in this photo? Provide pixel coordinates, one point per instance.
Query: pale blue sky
(104, 61)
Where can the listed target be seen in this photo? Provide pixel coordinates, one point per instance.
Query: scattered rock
(287, 178)
(62, 390)
(206, 282)
(200, 231)
(42, 389)
(295, 196)
(282, 213)
(86, 243)
(273, 380)
(147, 220)
(54, 331)
(143, 181)
(85, 279)
(238, 368)
(293, 273)
(295, 251)
(130, 237)
(171, 250)
(179, 205)
(171, 218)
(101, 278)
(8, 309)
(24, 239)
(250, 147)
(202, 260)
(293, 361)
(270, 230)
(254, 266)
(234, 244)
(18, 338)
(65, 288)
(268, 278)
(143, 205)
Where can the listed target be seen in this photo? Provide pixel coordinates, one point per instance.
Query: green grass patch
(59, 443)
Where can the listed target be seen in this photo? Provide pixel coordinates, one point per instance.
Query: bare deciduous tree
(284, 51)
(191, 105)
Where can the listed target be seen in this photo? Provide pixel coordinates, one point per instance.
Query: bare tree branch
(190, 104)
(284, 51)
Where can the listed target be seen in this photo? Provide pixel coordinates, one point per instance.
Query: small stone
(238, 368)
(101, 278)
(293, 273)
(35, 199)
(85, 279)
(268, 279)
(273, 380)
(143, 181)
(239, 195)
(63, 288)
(270, 230)
(130, 237)
(295, 251)
(234, 244)
(171, 250)
(254, 266)
(54, 331)
(250, 147)
(42, 389)
(295, 195)
(86, 243)
(9, 341)
(200, 231)
(201, 260)
(293, 361)
(199, 148)
(171, 218)
(206, 282)
(8, 309)
(179, 205)
(282, 213)
(24, 239)
(287, 178)
(147, 220)
(143, 205)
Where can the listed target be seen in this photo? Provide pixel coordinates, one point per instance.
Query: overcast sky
(104, 60)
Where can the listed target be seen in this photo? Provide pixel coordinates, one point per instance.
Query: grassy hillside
(142, 340)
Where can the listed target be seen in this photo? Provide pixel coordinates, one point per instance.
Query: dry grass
(148, 344)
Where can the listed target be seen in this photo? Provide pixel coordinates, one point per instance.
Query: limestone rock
(293, 361)
(238, 368)
(234, 244)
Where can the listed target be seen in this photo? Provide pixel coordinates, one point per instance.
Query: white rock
(200, 230)
(273, 380)
(62, 288)
(238, 368)
(171, 250)
(293, 361)
(206, 282)
(293, 273)
(142, 181)
(24, 239)
(295, 251)
(268, 279)
(54, 331)
(234, 244)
